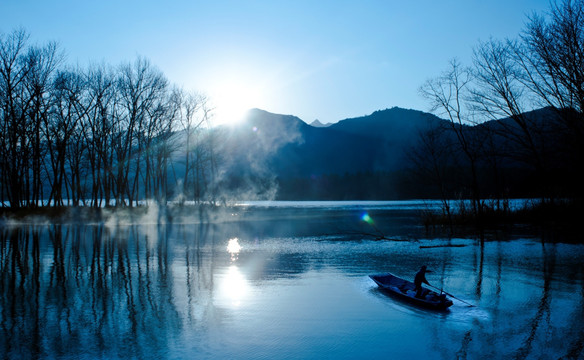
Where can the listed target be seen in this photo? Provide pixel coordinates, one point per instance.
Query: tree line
(543, 68)
(97, 136)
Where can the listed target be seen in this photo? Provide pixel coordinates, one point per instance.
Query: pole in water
(452, 296)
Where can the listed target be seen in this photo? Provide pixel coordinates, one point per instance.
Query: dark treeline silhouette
(368, 185)
(541, 69)
(97, 136)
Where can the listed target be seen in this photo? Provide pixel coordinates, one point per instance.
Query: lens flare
(365, 217)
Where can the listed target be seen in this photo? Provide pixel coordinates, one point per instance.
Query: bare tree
(63, 137)
(553, 55)
(448, 95)
(193, 121)
(14, 106)
(43, 63)
(93, 136)
(544, 67)
(26, 73)
(207, 158)
(97, 129)
(141, 88)
(553, 58)
(499, 92)
(163, 118)
(433, 160)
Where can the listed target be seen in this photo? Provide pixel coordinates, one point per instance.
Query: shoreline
(559, 220)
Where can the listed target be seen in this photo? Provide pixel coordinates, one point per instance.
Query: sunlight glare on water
(233, 288)
(233, 248)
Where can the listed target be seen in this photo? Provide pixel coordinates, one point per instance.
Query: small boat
(405, 290)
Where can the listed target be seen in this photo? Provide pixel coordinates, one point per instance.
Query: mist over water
(281, 280)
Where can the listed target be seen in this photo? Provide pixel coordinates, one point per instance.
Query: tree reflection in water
(85, 287)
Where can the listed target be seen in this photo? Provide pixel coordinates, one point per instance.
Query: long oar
(452, 296)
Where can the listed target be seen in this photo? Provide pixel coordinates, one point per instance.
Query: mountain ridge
(366, 157)
(292, 148)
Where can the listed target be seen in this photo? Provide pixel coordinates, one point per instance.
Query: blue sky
(325, 60)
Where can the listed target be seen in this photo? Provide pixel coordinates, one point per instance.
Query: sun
(232, 100)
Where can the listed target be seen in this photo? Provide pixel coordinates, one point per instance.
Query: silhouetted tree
(94, 135)
(434, 161)
(499, 92)
(26, 74)
(191, 121)
(552, 56)
(448, 94)
(137, 118)
(42, 63)
(61, 133)
(543, 67)
(97, 130)
(162, 123)
(14, 105)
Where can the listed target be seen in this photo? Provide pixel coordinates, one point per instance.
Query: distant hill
(317, 123)
(369, 157)
(285, 148)
(390, 124)
(291, 147)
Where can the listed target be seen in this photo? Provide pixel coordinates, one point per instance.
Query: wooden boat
(405, 290)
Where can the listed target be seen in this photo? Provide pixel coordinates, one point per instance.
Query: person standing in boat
(419, 279)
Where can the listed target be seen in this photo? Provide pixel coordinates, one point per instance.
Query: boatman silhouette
(419, 279)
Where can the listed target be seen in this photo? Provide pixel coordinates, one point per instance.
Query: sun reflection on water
(233, 248)
(234, 286)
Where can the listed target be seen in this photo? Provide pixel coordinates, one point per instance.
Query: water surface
(284, 280)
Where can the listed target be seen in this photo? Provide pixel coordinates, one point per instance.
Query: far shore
(559, 216)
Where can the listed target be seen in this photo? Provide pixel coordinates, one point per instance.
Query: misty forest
(509, 125)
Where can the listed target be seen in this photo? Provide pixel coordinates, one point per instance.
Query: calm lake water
(285, 281)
